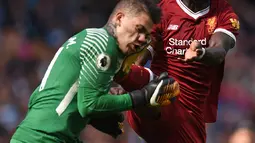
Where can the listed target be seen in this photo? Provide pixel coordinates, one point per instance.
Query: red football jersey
(199, 83)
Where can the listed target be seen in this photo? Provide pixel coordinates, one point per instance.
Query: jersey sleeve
(228, 22)
(93, 98)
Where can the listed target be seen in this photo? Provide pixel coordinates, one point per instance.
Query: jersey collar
(188, 11)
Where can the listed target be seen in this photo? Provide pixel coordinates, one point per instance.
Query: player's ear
(119, 18)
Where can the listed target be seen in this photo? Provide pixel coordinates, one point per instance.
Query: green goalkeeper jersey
(75, 86)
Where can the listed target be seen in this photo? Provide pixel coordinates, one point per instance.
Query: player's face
(133, 32)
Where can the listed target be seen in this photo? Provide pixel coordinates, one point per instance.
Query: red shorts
(176, 125)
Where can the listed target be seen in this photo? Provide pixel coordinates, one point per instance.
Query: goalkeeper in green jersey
(74, 89)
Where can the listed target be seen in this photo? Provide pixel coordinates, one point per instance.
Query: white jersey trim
(195, 15)
(226, 32)
(67, 99)
(151, 74)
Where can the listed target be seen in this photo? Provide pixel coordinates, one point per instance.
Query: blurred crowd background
(32, 30)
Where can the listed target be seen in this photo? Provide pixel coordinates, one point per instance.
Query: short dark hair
(137, 6)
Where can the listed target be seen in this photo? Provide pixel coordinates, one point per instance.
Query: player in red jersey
(198, 67)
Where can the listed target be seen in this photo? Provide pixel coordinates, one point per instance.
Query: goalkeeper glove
(160, 91)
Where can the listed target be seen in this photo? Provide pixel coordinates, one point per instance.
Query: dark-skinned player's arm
(219, 44)
(222, 40)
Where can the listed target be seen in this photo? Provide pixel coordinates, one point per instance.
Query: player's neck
(110, 28)
(196, 5)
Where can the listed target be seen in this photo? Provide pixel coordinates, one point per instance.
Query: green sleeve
(94, 81)
(93, 103)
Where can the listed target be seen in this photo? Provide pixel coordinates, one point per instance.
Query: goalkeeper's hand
(160, 91)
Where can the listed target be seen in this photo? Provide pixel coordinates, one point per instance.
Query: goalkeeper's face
(133, 31)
